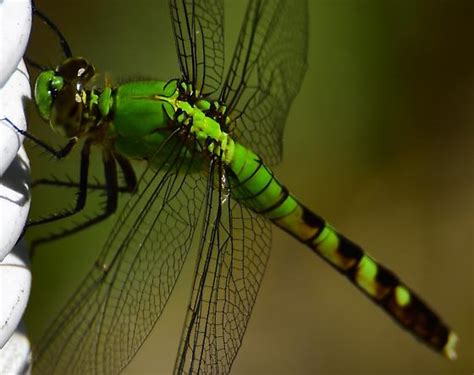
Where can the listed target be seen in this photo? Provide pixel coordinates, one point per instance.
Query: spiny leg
(58, 154)
(81, 194)
(111, 184)
(62, 40)
(129, 174)
(73, 184)
(127, 171)
(83, 186)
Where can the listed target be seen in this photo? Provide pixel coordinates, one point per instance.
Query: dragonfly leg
(74, 184)
(130, 187)
(111, 188)
(58, 154)
(125, 166)
(81, 195)
(62, 40)
(127, 172)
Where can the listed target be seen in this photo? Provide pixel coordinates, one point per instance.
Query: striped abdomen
(256, 187)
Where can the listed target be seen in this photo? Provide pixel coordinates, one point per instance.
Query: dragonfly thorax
(144, 114)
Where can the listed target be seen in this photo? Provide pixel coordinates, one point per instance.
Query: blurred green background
(379, 141)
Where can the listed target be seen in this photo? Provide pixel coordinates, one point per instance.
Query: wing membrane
(113, 311)
(266, 72)
(199, 37)
(232, 260)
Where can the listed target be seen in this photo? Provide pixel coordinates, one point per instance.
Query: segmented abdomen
(256, 187)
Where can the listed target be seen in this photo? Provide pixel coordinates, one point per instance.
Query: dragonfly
(209, 137)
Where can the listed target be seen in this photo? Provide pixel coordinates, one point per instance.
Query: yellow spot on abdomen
(402, 296)
(366, 273)
(327, 244)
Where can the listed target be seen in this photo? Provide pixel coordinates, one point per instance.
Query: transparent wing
(232, 259)
(115, 308)
(198, 27)
(266, 72)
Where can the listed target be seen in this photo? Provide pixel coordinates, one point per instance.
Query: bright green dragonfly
(209, 137)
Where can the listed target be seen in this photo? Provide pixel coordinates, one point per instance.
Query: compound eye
(44, 93)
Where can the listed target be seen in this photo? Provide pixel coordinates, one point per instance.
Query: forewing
(113, 311)
(232, 259)
(198, 27)
(266, 73)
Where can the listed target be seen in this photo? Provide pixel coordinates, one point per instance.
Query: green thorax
(143, 115)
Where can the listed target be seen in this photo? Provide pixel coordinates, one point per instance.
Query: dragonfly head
(61, 97)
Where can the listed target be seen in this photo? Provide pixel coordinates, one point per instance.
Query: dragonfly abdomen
(257, 187)
(384, 288)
